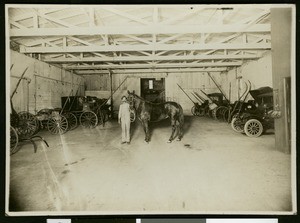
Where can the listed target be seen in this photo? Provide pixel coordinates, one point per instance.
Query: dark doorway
(153, 89)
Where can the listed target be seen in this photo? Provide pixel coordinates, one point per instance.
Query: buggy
(256, 115)
(90, 111)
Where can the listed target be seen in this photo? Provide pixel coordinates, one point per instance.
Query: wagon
(257, 115)
(88, 111)
(219, 108)
(56, 120)
(23, 127)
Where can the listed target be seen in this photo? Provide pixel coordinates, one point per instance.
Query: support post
(111, 94)
(281, 23)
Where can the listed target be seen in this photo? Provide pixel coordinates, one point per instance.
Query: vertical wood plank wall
(190, 82)
(44, 84)
(281, 55)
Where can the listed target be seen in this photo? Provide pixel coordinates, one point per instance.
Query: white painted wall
(190, 82)
(258, 72)
(45, 84)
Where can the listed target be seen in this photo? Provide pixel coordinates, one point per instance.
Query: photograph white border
(68, 213)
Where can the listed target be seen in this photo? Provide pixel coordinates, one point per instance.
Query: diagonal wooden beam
(126, 15)
(171, 38)
(57, 21)
(81, 41)
(138, 39)
(18, 25)
(254, 18)
(49, 43)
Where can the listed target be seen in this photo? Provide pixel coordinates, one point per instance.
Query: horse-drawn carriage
(23, 127)
(87, 111)
(90, 111)
(256, 116)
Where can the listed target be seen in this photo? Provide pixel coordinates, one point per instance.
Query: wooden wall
(43, 86)
(258, 72)
(188, 81)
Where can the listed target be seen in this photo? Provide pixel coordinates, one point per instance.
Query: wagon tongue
(261, 92)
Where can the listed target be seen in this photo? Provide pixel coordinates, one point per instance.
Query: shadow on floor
(137, 126)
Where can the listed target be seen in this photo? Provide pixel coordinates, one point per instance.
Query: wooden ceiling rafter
(156, 36)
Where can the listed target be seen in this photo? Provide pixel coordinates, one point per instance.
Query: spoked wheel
(57, 124)
(194, 110)
(253, 128)
(28, 125)
(14, 139)
(214, 113)
(207, 111)
(219, 112)
(197, 110)
(88, 119)
(236, 125)
(72, 120)
(226, 115)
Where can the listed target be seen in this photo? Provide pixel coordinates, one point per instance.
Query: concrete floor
(212, 170)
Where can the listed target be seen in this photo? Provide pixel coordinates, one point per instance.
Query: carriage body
(89, 111)
(255, 116)
(218, 109)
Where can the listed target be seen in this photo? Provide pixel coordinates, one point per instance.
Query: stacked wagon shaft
(252, 117)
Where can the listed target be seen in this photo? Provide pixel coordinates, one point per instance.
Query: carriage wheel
(72, 120)
(57, 124)
(28, 125)
(253, 128)
(193, 110)
(214, 113)
(236, 125)
(226, 115)
(196, 110)
(14, 139)
(219, 112)
(88, 119)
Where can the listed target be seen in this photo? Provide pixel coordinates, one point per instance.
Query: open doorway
(153, 89)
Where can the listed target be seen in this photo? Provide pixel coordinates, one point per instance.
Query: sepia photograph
(150, 109)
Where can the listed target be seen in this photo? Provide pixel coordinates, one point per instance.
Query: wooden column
(281, 30)
(111, 94)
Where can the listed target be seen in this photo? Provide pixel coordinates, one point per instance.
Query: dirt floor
(212, 170)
